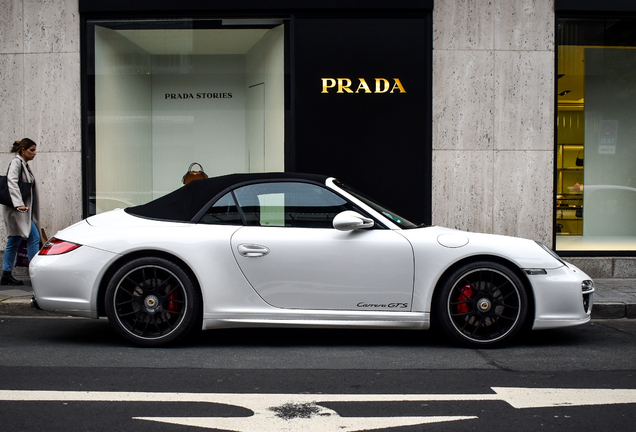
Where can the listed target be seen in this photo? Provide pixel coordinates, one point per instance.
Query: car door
(294, 258)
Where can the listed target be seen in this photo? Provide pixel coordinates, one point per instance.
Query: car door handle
(252, 250)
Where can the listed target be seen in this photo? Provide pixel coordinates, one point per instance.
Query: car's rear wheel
(152, 302)
(482, 304)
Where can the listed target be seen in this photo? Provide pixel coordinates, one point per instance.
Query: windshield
(392, 216)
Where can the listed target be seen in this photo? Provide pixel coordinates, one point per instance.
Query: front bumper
(563, 297)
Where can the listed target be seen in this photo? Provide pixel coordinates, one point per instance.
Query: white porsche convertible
(299, 250)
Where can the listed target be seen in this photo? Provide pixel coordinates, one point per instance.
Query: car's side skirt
(394, 320)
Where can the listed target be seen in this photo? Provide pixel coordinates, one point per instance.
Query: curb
(613, 310)
(21, 307)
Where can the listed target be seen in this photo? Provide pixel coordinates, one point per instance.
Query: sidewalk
(16, 300)
(614, 299)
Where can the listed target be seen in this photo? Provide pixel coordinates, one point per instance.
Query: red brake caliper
(466, 293)
(172, 304)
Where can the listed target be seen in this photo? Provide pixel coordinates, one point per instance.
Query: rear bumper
(69, 283)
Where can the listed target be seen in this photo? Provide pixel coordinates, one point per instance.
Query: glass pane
(170, 93)
(300, 205)
(223, 212)
(596, 151)
(392, 216)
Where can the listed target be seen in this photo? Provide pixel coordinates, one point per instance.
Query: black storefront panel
(361, 106)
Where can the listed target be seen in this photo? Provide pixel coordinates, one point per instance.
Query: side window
(223, 212)
(300, 205)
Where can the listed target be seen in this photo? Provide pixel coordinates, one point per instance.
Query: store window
(166, 93)
(596, 135)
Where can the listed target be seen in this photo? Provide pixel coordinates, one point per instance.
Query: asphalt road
(76, 374)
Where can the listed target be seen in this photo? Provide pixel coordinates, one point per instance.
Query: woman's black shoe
(8, 279)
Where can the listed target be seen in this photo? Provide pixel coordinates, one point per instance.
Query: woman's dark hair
(23, 144)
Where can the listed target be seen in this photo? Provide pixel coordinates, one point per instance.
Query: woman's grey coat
(19, 224)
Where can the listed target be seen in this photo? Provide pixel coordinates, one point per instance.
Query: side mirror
(349, 220)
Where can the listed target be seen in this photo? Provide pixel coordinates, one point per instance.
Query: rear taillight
(57, 247)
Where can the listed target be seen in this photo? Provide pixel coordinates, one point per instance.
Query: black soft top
(183, 204)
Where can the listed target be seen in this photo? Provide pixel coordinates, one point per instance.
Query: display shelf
(569, 200)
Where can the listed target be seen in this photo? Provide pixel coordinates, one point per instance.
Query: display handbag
(5, 196)
(194, 175)
(579, 160)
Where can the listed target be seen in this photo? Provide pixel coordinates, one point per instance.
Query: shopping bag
(22, 258)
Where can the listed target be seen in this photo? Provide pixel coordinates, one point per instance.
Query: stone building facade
(492, 122)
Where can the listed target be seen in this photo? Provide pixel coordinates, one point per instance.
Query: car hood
(453, 245)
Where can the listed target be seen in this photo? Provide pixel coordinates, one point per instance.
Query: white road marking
(325, 423)
(304, 410)
(554, 397)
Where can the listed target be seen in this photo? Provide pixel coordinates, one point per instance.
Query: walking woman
(21, 220)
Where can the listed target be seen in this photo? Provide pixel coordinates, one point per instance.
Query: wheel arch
(492, 258)
(116, 265)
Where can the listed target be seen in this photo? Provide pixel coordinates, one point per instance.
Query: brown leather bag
(194, 175)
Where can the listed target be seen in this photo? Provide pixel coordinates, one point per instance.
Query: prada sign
(344, 85)
(174, 96)
(360, 105)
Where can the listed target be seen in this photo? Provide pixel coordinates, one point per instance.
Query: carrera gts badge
(387, 305)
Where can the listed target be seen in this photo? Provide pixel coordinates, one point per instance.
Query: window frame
(582, 10)
(352, 206)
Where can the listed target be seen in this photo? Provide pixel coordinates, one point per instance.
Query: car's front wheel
(482, 304)
(152, 302)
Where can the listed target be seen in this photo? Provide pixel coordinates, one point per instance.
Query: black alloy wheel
(482, 304)
(152, 302)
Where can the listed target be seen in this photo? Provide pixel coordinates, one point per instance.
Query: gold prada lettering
(398, 84)
(328, 83)
(382, 85)
(364, 86)
(343, 85)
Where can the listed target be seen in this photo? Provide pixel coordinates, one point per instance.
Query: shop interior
(171, 93)
(595, 181)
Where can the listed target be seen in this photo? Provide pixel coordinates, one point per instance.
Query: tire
(482, 305)
(152, 302)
